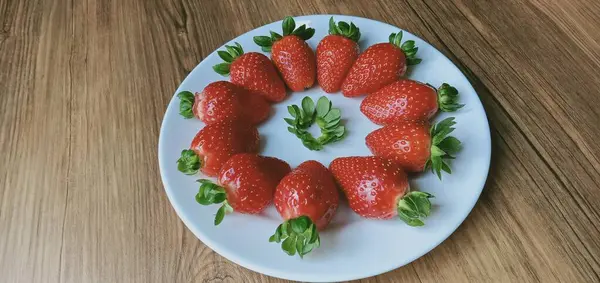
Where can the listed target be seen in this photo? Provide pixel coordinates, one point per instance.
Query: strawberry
(246, 184)
(408, 100)
(335, 55)
(415, 146)
(307, 199)
(253, 71)
(291, 54)
(221, 101)
(378, 188)
(380, 65)
(215, 144)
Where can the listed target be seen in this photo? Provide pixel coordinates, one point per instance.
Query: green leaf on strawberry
(189, 163)
(443, 147)
(232, 53)
(211, 193)
(350, 31)
(298, 235)
(414, 207)
(186, 103)
(408, 47)
(448, 98)
(288, 28)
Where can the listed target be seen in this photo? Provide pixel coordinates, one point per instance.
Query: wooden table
(84, 86)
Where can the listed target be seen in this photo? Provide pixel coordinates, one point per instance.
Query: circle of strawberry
(221, 101)
(307, 198)
(246, 184)
(378, 188)
(335, 55)
(292, 56)
(253, 71)
(409, 100)
(415, 146)
(214, 144)
(380, 65)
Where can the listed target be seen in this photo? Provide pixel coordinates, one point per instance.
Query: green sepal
(297, 236)
(288, 27)
(211, 193)
(232, 53)
(189, 163)
(186, 103)
(414, 207)
(350, 31)
(327, 118)
(448, 98)
(408, 47)
(443, 147)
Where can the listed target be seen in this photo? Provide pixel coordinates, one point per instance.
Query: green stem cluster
(443, 147)
(327, 118)
(297, 235)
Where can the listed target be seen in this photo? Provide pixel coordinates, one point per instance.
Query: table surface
(84, 86)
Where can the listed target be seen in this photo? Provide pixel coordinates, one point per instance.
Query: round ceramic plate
(351, 247)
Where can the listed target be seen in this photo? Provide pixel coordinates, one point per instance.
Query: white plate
(351, 247)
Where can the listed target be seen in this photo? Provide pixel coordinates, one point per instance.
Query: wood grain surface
(84, 85)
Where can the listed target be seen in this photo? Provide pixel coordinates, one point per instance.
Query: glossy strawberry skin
(295, 60)
(372, 185)
(308, 190)
(400, 101)
(335, 56)
(408, 144)
(250, 181)
(255, 72)
(223, 100)
(380, 65)
(217, 142)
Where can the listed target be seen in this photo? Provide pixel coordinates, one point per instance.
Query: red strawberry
(223, 100)
(378, 188)
(380, 65)
(408, 100)
(292, 56)
(335, 55)
(247, 182)
(415, 147)
(253, 71)
(307, 199)
(215, 144)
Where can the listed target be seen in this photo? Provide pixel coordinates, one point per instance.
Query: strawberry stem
(443, 147)
(414, 207)
(288, 27)
(189, 163)
(350, 31)
(211, 193)
(408, 47)
(186, 103)
(298, 235)
(232, 53)
(448, 98)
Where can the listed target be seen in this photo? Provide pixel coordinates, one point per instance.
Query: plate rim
(300, 276)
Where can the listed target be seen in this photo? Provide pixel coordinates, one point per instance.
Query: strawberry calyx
(448, 98)
(408, 47)
(298, 235)
(211, 193)
(414, 207)
(232, 53)
(289, 28)
(350, 31)
(189, 163)
(327, 118)
(186, 103)
(443, 147)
